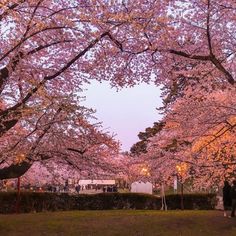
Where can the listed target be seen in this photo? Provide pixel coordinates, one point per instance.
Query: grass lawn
(119, 222)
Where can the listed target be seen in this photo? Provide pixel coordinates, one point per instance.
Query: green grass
(118, 222)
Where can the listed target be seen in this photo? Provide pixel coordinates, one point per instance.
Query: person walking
(233, 197)
(226, 197)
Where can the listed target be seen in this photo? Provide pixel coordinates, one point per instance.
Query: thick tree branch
(208, 28)
(15, 170)
(81, 152)
(220, 67)
(4, 73)
(195, 57)
(210, 58)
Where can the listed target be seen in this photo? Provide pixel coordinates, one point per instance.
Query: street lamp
(181, 169)
(145, 171)
(18, 159)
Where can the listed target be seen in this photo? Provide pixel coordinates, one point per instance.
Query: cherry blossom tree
(59, 136)
(194, 56)
(198, 133)
(175, 43)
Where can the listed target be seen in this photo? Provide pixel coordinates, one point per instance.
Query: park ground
(119, 222)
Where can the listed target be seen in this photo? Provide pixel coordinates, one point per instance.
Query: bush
(37, 202)
(192, 201)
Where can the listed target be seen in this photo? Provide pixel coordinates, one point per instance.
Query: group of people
(229, 198)
(110, 189)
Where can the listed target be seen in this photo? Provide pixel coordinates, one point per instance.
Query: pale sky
(126, 112)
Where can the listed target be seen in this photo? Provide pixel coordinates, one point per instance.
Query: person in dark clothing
(233, 197)
(77, 188)
(226, 197)
(114, 189)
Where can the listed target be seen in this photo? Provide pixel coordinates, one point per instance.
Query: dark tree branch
(219, 66)
(4, 73)
(208, 28)
(195, 57)
(15, 170)
(210, 58)
(81, 152)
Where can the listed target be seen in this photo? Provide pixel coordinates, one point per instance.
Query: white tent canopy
(97, 182)
(141, 187)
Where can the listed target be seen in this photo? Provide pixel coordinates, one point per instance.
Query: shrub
(192, 201)
(37, 202)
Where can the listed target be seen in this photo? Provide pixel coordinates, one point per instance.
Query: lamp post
(18, 195)
(181, 169)
(18, 159)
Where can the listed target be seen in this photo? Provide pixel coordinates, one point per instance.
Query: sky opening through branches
(125, 112)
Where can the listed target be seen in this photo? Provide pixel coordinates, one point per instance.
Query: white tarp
(141, 187)
(97, 181)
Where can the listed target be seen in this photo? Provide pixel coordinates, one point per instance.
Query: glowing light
(145, 171)
(182, 168)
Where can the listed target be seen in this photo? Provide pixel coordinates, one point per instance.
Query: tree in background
(141, 146)
(199, 87)
(194, 136)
